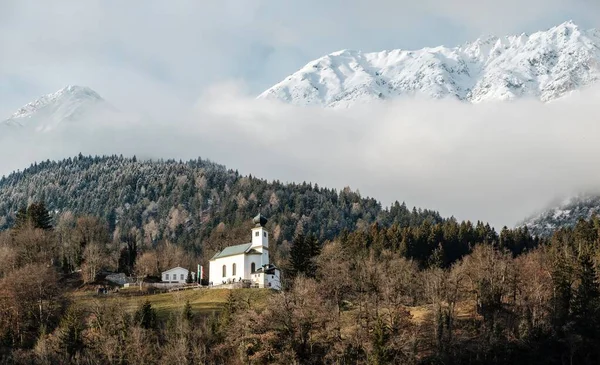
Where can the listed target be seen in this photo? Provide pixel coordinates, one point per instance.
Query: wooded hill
(184, 202)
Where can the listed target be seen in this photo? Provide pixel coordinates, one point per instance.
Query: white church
(246, 265)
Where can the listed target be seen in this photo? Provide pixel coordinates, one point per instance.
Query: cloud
(497, 162)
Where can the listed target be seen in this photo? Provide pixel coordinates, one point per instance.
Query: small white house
(176, 275)
(248, 262)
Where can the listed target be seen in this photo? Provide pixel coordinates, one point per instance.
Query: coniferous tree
(34, 216)
(381, 336)
(187, 313)
(302, 255)
(71, 333)
(38, 215)
(21, 219)
(586, 301)
(145, 316)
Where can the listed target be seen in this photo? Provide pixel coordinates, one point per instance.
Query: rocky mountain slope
(545, 65)
(71, 104)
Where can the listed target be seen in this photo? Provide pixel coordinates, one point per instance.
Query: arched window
(253, 267)
(233, 270)
(224, 271)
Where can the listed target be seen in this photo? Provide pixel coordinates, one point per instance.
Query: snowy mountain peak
(72, 93)
(70, 103)
(545, 65)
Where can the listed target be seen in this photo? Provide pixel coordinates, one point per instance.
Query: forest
(186, 202)
(426, 293)
(362, 284)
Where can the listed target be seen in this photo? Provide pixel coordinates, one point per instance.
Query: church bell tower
(260, 237)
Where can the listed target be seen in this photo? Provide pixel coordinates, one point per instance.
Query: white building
(176, 275)
(247, 263)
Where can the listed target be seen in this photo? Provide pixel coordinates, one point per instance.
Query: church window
(257, 233)
(233, 270)
(224, 271)
(253, 267)
(181, 277)
(265, 234)
(166, 277)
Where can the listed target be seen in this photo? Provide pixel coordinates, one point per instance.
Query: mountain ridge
(72, 103)
(545, 65)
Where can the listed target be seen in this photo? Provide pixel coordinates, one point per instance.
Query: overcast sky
(194, 68)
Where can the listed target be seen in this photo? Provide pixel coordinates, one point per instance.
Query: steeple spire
(260, 220)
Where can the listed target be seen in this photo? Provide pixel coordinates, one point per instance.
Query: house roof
(232, 250)
(267, 267)
(175, 268)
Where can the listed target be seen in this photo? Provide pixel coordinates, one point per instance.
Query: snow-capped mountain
(69, 104)
(564, 214)
(545, 65)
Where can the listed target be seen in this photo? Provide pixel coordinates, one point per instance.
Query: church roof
(232, 250)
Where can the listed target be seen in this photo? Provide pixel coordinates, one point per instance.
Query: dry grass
(202, 300)
(463, 310)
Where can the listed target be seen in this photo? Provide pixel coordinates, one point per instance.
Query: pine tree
(586, 301)
(21, 218)
(380, 339)
(302, 254)
(70, 332)
(187, 313)
(145, 316)
(39, 217)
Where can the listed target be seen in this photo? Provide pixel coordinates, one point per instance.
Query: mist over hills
(401, 149)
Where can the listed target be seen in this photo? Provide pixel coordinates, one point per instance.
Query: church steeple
(260, 237)
(260, 220)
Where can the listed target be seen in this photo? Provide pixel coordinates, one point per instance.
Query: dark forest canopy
(184, 201)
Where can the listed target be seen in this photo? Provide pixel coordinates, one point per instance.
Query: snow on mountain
(545, 65)
(564, 214)
(70, 104)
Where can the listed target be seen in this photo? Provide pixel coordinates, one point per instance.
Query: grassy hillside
(202, 300)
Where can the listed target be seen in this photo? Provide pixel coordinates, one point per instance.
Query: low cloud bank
(497, 162)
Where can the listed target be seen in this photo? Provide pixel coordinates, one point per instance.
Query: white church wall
(216, 269)
(274, 281)
(263, 280)
(256, 259)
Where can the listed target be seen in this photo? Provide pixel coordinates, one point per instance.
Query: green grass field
(202, 300)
